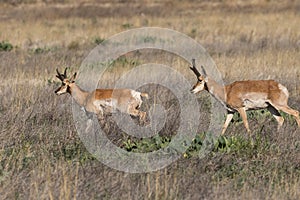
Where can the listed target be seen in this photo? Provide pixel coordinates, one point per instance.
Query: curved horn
(194, 69)
(65, 72)
(57, 71)
(203, 71)
(59, 75)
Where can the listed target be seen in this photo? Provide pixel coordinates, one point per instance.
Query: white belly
(255, 104)
(106, 104)
(255, 101)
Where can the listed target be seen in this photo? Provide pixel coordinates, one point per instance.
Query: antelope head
(202, 79)
(65, 82)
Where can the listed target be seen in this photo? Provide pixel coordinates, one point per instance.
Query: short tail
(145, 95)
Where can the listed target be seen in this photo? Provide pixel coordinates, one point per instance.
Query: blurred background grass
(41, 155)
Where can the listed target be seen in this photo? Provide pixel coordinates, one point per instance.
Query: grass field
(41, 154)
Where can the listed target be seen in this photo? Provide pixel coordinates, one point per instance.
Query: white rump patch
(136, 95)
(283, 89)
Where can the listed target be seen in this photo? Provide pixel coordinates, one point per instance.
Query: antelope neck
(78, 94)
(216, 89)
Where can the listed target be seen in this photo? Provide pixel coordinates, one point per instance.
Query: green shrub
(146, 144)
(98, 40)
(5, 46)
(127, 25)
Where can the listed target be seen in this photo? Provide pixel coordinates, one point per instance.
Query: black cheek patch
(68, 89)
(205, 86)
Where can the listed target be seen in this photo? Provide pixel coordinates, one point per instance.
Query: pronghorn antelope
(100, 100)
(241, 96)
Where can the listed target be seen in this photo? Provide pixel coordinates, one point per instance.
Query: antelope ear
(72, 79)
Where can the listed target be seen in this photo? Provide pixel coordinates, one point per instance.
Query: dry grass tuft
(41, 155)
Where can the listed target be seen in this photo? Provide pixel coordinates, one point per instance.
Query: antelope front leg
(243, 114)
(228, 120)
(100, 114)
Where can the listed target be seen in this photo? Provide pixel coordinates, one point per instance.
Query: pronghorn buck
(100, 100)
(241, 96)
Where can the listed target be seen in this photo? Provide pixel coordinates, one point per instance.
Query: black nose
(56, 90)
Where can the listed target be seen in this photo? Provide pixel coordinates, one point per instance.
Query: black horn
(65, 72)
(194, 69)
(59, 75)
(203, 70)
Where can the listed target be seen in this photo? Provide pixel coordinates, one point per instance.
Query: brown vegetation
(41, 155)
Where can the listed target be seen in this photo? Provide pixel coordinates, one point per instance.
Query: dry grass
(41, 155)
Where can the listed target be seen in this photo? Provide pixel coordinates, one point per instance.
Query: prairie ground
(41, 154)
